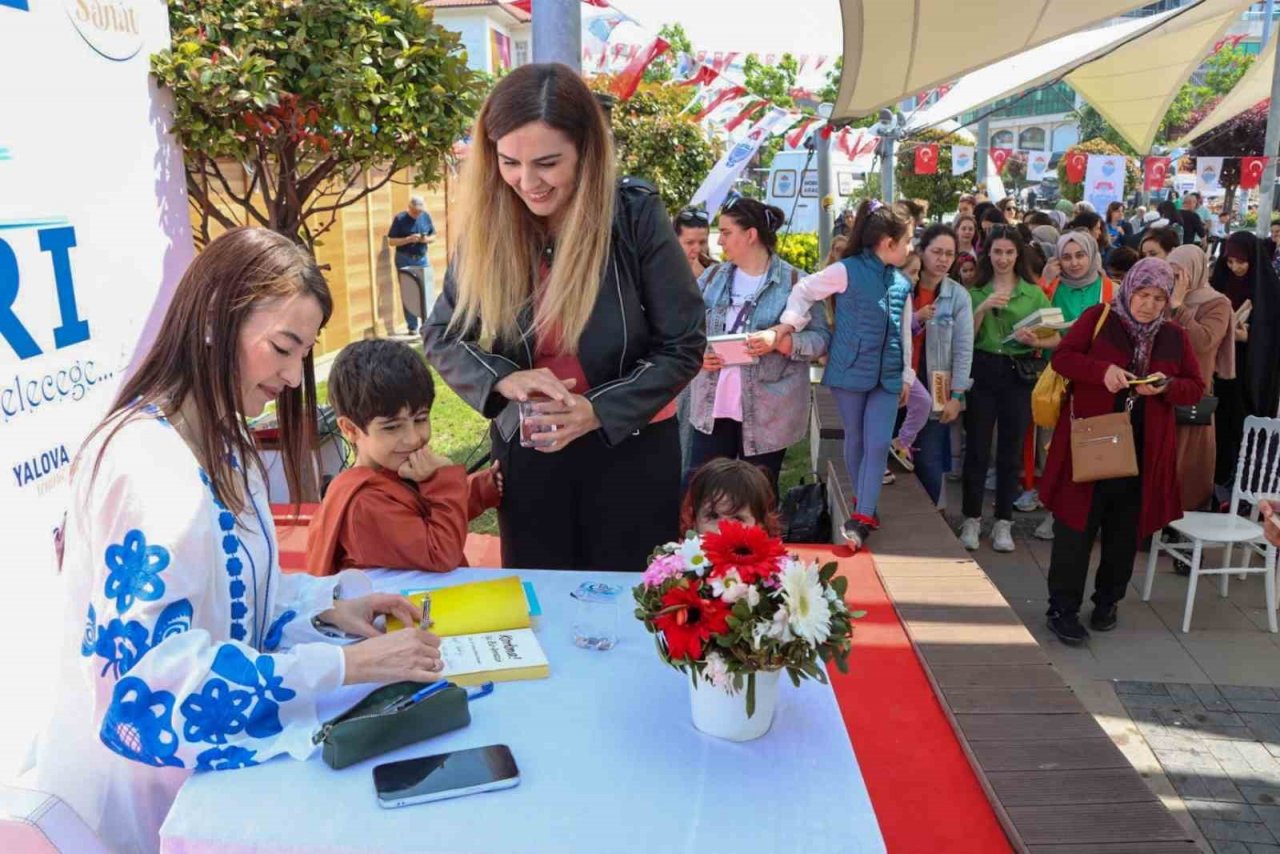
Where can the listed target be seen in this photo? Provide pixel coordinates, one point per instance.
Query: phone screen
(445, 772)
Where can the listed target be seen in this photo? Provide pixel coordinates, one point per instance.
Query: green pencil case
(367, 730)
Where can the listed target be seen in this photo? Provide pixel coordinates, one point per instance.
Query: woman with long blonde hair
(568, 293)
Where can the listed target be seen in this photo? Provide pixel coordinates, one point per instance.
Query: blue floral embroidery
(121, 645)
(138, 724)
(215, 713)
(225, 758)
(134, 570)
(275, 634)
(90, 639)
(231, 546)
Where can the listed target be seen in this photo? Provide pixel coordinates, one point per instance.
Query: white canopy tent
(1029, 69)
(1253, 87)
(894, 48)
(1133, 86)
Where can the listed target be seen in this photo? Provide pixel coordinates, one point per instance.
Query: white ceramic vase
(724, 715)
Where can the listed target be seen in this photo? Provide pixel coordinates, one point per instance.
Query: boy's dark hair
(1166, 237)
(736, 482)
(1035, 218)
(377, 378)
(1119, 260)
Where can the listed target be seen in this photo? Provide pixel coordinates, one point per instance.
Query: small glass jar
(595, 617)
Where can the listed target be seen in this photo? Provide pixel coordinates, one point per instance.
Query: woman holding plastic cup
(568, 288)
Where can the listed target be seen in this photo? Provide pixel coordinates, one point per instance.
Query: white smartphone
(445, 775)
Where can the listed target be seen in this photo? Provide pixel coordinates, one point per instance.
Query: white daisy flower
(691, 553)
(810, 616)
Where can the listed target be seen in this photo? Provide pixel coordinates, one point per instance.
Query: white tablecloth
(609, 762)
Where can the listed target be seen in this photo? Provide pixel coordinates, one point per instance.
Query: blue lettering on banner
(45, 463)
(73, 329)
(20, 5)
(23, 395)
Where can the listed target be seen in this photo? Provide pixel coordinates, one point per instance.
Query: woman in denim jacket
(752, 412)
(943, 318)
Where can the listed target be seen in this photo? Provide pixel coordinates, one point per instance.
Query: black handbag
(1197, 414)
(1030, 368)
(806, 516)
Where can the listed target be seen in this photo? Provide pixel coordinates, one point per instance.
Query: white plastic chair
(1257, 477)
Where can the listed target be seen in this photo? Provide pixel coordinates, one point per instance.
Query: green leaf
(751, 693)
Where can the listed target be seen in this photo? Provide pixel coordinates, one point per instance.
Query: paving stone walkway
(1220, 748)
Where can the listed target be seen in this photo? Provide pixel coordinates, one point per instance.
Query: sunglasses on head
(693, 215)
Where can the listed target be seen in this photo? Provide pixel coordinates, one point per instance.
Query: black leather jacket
(642, 345)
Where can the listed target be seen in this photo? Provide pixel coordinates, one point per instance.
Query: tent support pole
(1267, 189)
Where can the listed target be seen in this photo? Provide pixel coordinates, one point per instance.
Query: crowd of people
(588, 336)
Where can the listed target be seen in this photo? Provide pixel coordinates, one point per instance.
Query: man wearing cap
(410, 232)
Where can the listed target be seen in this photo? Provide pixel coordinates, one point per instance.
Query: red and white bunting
(1251, 169)
(750, 111)
(726, 93)
(797, 134)
(626, 83)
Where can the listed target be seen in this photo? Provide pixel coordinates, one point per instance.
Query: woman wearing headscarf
(1206, 317)
(1244, 275)
(1074, 282)
(1134, 341)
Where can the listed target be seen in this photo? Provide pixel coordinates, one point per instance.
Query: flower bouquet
(733, 609)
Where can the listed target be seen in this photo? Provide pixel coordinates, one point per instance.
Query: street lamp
(889, 129)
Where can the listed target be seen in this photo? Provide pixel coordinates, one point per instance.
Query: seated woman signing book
(401, 505)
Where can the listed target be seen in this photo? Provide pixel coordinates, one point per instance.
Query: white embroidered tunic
(186, 649)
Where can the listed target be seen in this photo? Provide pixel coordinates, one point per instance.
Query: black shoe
(856, 531)
(1066, 625)
(1103, 618)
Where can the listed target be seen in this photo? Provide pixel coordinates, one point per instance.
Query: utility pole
(1267, 189)
(557, 32)
(984, 150)
(822, 143)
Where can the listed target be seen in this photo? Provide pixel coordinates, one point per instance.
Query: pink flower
(662, 569)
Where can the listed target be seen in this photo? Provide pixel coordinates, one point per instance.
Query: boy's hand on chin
(422, 464)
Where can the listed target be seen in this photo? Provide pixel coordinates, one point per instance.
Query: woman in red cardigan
(1136, 340)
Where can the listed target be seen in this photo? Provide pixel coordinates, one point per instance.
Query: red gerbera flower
(688, 621)
(747, 548)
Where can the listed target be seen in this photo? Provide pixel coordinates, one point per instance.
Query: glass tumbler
(595, 616)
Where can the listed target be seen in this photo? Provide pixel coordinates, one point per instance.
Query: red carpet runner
(924, 792)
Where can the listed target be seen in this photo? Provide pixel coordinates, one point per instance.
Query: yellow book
(485, 631)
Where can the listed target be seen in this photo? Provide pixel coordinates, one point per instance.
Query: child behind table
(729, 489)
(401, 505)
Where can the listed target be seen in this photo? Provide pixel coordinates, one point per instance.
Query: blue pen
(417, 697)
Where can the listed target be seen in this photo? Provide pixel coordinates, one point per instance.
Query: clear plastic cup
(595, 617)
(527, 410)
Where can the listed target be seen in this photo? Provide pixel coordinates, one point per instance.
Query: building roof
(515, 12)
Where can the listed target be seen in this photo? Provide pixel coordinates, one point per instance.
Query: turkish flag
(999, 157)
(1077, 161)
(797, 134)
(1251, 171)
(626, 83)
(748, 112)
(927, 159)
(1155, 169)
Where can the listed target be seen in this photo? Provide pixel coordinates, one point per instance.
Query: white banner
(961, 159)
(1037, 164)
(94, 229)
(1104, 180)
(1208, 175)
(720, 180)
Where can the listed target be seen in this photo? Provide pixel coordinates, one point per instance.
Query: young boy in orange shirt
(401, 505)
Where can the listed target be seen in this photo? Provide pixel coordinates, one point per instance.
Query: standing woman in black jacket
(568, 288)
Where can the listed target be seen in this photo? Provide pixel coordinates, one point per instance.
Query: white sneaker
(1002, 536)
(1027, 502)
(1044, 531)
(969, 533)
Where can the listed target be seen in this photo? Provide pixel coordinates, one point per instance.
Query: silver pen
(425, 622)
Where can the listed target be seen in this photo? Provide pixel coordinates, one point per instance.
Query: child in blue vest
(869, 371)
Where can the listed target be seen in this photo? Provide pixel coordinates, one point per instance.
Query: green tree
(321, 103)
(831, 89)
(659, 143)
(1075, 192)
(663, 68)
(940, 190)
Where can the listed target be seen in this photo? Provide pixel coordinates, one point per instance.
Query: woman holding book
(752, 411)
(1005, 369)
(1207, 318)
(585, 309)
(1244, 275)
(941, 351)
(1133, 340)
